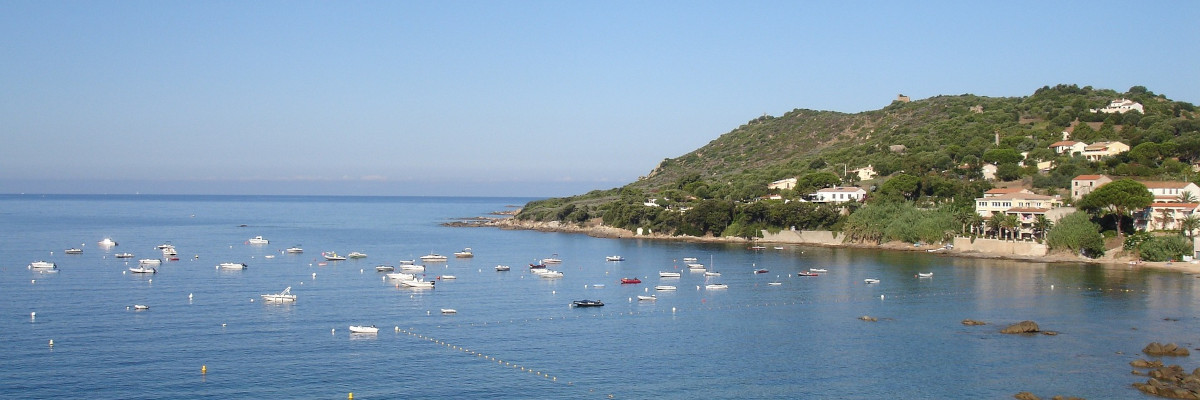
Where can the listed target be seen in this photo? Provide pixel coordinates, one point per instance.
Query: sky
(506, 98)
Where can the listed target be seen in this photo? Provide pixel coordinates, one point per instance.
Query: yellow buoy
(351, 396)
(203, 369)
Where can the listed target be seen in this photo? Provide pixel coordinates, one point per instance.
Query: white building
(865, 173)
(1083, 184)
(840, 194)
(783, 184)
(1169, 191)
(985, 206)
(1121, 106)
(1070, 147)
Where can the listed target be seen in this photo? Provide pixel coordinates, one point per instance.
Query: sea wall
(824, 238)
(999, 247)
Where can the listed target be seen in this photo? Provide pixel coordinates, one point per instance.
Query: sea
(206, 333)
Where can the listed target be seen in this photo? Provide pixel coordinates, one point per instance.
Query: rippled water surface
(514, 335)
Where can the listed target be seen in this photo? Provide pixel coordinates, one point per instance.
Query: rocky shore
(595, 229)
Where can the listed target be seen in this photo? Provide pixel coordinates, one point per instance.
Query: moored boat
(332, 256)
(42, 265)
(384, 268)
(258, 240)
(503, 268)
(690, 259)
(821, 270)
(547, 273)
(716, 286)
(870, 280)
(231, 265)
(465, 253)
(626, 281)
(295, 249)
(401, 276)
(433, 257)
(614, 258)
(73, 250)
(363, 329)
(449, 311)
(537, 266)
(552, 260)
(587, 303)
(761, 271)
(664, 287)
(647, 298)
(412, 267)
(123, 255)
(143, 270)
(140, 307)
(355, 254)
(807, 273)
(107, 242)
(285, 296)
(153, 262)
(418, 283)
(924, 274)
(667, 274)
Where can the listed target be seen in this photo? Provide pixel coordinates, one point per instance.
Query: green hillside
(937, 145)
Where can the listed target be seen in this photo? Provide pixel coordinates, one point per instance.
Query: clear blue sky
(526, 98)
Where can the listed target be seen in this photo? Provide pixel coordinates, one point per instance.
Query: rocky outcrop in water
(1172, 382)
(1022, 327)
(1031, 396)
(971, 322)
(868, 318)
(1156, 349)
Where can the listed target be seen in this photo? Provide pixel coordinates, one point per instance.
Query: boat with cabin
(628, 281)
(73, 250)
(42, 265)
(231, 265)
(384, 268)
(465, 253)
(355, 254)
(258, 240)
(107, 242)
(123, 255)
(332, 256)
(143, 270)
(667, 274)
(552, 260)
(433, 257)
(503, 268)
(294, 249)
(614, 258)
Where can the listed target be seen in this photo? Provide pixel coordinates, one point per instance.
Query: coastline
(606, 232)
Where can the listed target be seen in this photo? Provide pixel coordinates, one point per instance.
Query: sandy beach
(600, 231)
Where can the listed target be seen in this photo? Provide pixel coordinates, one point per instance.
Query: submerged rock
(1022, 327)
(1146, 364)
(868, 318)
(1026, 396)
(971, 322)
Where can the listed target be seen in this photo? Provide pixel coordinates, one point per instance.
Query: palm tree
(964, 217)
(1167, 215)
(1041, 224)
(1010, 223)
(994, 225)
(977, 224)
(1187, 197)
(1189, 224)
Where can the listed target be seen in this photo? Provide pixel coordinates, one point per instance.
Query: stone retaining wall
(803, 237)
(1000, 247)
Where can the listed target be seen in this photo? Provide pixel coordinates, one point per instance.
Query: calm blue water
(514, 335)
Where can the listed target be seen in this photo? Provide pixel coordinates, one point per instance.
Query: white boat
(168, 251)
(503, 268)
(229, 265)
(412, 267)
(716, 286)
(363, 329)
(295, 249)
(140, 307)
(818, 270)
(614, 258)
(258, 240)
(418, 283)
(355, 254)
(164, 246)
(153, 262)
(285, 296)
(42, 265)
(384, 268)
(870, 280)
(107, 243)
(924, 274)
(433, 257)
(465, 253)
(73, 250)
(449, 277)
(547, 273)
(449, 311)
(123, 255)
(690, 259)
(400, 276)
(647, 298)
(774, 283)
(664, 287)
(143, 270)
(665, 274)
(332, 256)
(408, 262)
(778, 247)
(269, 256)
(695, 266)
(552, 260)
(712, 273)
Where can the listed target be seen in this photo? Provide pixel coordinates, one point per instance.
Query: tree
(1187, 197)
(1118, 198)
(1002, 156)
(1189, 224)
(900, 187)
(1041, 224)
(1010, 223)
(1078, 233)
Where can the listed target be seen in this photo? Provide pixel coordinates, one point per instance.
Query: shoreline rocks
(1022, 327)
(1155, 349)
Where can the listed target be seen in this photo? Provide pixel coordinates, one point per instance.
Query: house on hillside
(1121, 106)
(1084, 184)
(1069, 147)
(865, 173)
(839, 194)
(1099, 150)
(985, 206)
(1169, 191)
(989, 171)
(783, 184)
(1163, 216)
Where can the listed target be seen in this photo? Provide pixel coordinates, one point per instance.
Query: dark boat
(806, 273)
(533, 266)
(761, 271)
(587, 303)
(630, 280)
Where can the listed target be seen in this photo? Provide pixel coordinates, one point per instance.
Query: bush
(1078, 233)
(1165, 248)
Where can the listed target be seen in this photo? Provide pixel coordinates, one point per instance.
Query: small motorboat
(448, 277)
(42, 265)
(821, 270)
(808, 273)
(587, 303)
(761, 271)
(502, 268)
(141, 307)
(332, 256)
(778, 247)
(870, 280)
(774, 283)
(614, 258)
(625, 281)
(295, 249)
(547, 273)
(690, 259)
(667, 274)
(73, 250)
(412, 267)
(712, 273)
(418, 283)
(647, 298)
(553, 259)
(924, 274)
(230, 265)
(758, 247)
(537, 266)
(143, 270)
(716, 286)
(153, 262)
(695, 266)
(355, 254)
(433, 257)
(400, 276)
(258, 240)
(123, 255)
(449, 311)
(168, 250)
(107, 242)
(364, 329)
(465, 253)
(384, 268)
(285, 296)
(664, 287)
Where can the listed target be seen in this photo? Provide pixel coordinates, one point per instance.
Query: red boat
(761, 271)
(807, 273)
(630, 280)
